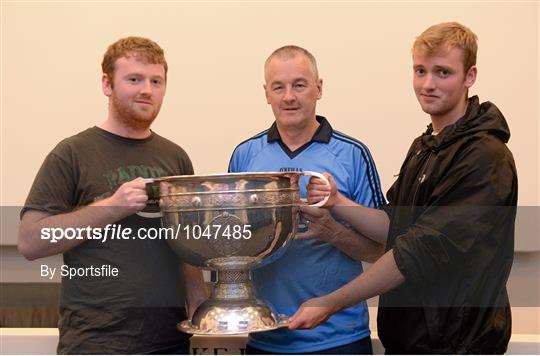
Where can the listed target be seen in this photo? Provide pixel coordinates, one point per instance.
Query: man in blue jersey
(328, 254)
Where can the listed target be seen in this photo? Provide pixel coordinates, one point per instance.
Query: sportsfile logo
(118, 232)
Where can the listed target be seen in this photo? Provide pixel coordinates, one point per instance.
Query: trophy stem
(233, 284)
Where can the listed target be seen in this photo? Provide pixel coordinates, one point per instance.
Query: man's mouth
(429, 97)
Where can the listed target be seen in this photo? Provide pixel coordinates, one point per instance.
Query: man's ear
(319, 88)
(106, 85)
(470, 77)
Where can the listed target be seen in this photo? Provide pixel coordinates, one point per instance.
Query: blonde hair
(444, 37)
(142, 48)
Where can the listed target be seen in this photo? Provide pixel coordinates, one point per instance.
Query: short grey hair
(289, 52)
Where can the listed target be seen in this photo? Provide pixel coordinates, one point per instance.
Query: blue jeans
(360, 347)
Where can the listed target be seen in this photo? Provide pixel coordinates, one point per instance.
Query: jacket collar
(484, 117)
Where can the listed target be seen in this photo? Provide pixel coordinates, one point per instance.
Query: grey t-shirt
(135, 312)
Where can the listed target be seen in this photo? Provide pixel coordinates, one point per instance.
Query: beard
(131, 117)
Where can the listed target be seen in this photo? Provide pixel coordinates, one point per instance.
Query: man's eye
(277, 88)
(133, 80)
(444, 73)
(300, 85)
(419, 71)
(156, 82)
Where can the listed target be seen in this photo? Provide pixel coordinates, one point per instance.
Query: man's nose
(146, 87)
(289, 94)
(429, 82)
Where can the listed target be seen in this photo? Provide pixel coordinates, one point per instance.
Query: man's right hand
(130, 196)
(128, 199)
(317, 190)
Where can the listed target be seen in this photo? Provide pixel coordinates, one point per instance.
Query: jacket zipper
(423, 176)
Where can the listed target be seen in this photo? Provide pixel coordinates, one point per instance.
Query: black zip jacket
(452, 212)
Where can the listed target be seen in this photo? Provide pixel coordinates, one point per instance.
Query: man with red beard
(95, 179)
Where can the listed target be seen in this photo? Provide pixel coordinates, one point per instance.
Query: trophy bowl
(231, 223)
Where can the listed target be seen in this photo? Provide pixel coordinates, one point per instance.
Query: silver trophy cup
(231, 223)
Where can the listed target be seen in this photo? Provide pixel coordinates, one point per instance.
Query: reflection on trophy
(231, 223)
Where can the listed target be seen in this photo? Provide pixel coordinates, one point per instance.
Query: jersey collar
(323, 135)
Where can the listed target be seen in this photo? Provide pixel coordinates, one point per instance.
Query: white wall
(51, 55)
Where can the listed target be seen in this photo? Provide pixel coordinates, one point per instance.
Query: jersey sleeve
(237, 161)
(366, 185)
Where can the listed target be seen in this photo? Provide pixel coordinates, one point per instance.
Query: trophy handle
(145, 214)
(318, 175)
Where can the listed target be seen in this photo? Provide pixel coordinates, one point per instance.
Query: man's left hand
(311, 314)
(320, 224)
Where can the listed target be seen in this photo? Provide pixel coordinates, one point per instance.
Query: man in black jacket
(449, 226)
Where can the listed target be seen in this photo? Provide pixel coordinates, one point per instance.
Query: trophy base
(233, 320)
(233, 307)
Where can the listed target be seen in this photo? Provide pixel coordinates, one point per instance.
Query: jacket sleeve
(470, 208)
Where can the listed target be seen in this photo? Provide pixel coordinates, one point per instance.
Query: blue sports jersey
(311, 268)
